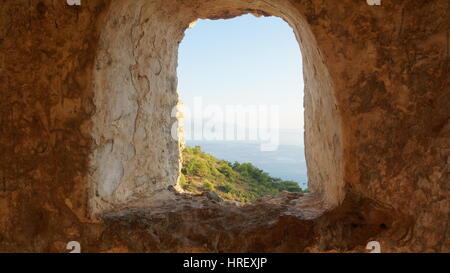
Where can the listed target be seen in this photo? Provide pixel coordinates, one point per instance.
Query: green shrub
(182, 181)
(207, 186)
(225, 188)
(200, 168)
(226, 170)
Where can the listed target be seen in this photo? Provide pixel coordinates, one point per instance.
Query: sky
(245, 60)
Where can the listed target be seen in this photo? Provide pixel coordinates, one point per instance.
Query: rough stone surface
(135, 92)
(86, 151)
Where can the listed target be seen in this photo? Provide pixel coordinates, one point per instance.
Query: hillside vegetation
(236, 181)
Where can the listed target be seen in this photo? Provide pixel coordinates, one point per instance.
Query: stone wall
(86, 152)
(135, 91)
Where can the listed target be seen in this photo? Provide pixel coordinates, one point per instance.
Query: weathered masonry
(87, 154)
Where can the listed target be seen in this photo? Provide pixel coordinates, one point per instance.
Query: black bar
(148, 263)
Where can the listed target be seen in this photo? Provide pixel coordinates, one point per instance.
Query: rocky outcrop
(289, 222)
(87, 153)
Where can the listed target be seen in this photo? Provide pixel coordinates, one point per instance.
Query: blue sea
(287, 162)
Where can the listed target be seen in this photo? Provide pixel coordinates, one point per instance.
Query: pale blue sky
(245, 60)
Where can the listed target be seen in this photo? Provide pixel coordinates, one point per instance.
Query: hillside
(236, 181)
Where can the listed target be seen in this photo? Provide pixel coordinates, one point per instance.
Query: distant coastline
(287, 162)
